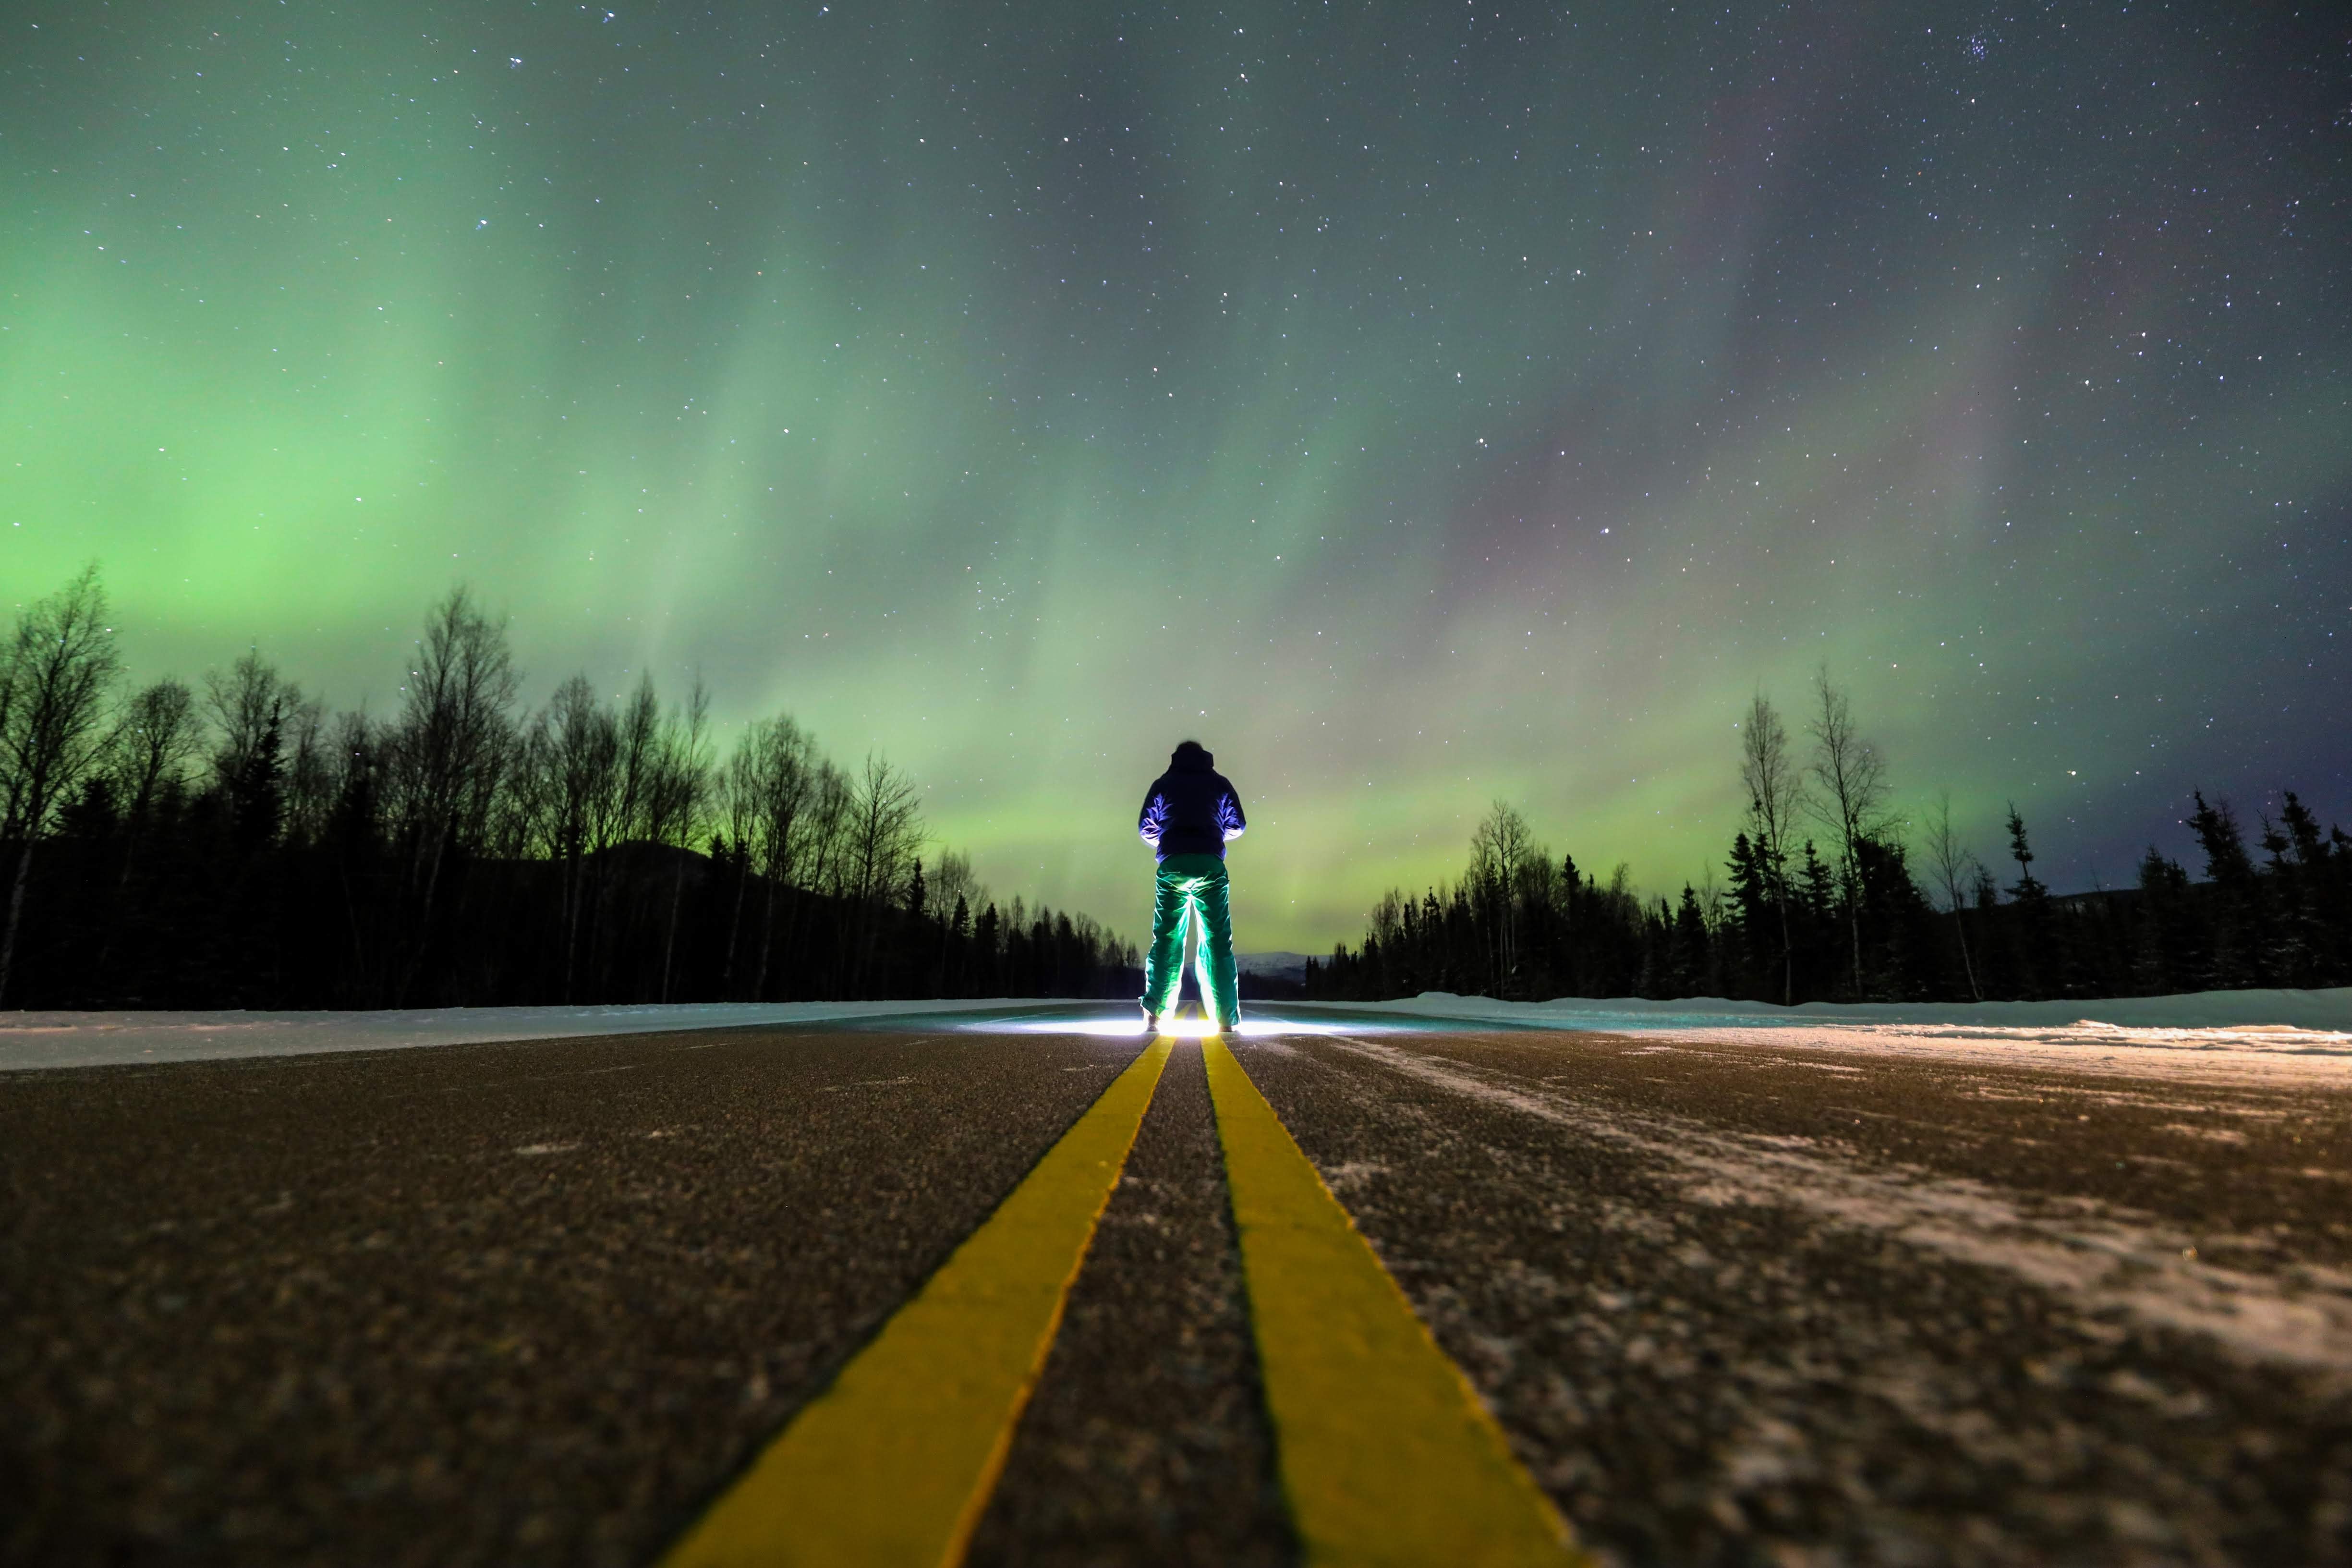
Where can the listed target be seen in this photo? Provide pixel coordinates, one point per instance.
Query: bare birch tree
(451, 746)
(885, 824)
(769, 781)
(255, 712)
(155, 738)
(884, 835)
(817, 841)
(1851, 780)
(957, 892)
(1499, 848)
(952, 879)
(637, 773)
(1776, 797)
(310, 771)
(573, 752)
(55, 674)
(1957, 873)
(248, 703)
(682, 802)
(733, 805)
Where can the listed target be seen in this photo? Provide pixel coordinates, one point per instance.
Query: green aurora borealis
(1419, 403)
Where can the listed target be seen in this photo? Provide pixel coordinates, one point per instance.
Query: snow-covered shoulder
(2206, 1034)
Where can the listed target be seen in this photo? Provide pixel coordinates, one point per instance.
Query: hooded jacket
(1191, 808)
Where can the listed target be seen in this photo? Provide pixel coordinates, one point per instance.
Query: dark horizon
(230, 842)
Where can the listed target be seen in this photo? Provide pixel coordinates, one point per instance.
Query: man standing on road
(1190, 814)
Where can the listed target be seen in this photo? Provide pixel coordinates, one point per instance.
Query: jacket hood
(1190, 757)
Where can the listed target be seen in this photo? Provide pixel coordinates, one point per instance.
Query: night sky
(1419, 403)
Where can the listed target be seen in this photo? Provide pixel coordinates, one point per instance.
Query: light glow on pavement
(1180, 1029)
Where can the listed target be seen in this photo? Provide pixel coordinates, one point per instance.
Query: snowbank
(107, 1039)
(2226, 1034)
(2214, 1036)
(2249, 1011)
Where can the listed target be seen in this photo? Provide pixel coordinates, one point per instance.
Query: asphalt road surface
(540, 1302)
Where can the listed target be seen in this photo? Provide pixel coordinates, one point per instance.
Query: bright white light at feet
(1178, 1028)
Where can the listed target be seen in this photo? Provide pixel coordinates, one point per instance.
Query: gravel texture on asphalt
(1146, 1439)
(1734, 1307)
(514, 1303)
(540, 1303)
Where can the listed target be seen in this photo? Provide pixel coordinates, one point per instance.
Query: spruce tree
(2240, 926)
(2027, 888)
(256, 790)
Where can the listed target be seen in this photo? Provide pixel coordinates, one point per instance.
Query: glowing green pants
(1191, 884)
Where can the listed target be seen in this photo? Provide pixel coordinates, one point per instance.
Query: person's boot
(1150, 1018)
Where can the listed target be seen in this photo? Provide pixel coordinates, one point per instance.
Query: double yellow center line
(1386, 1455)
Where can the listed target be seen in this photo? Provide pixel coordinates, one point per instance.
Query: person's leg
(1163, 965)
(1220, 982)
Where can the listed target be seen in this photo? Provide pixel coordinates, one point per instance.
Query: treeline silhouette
(1829, 895)
(234, 845)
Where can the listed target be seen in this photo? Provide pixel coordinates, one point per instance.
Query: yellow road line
(894, 1463)
(1386, 1455)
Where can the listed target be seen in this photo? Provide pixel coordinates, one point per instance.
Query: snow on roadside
(2210, 1036)
(2107, 1257)
(2214, 1036)
(31, 1040)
